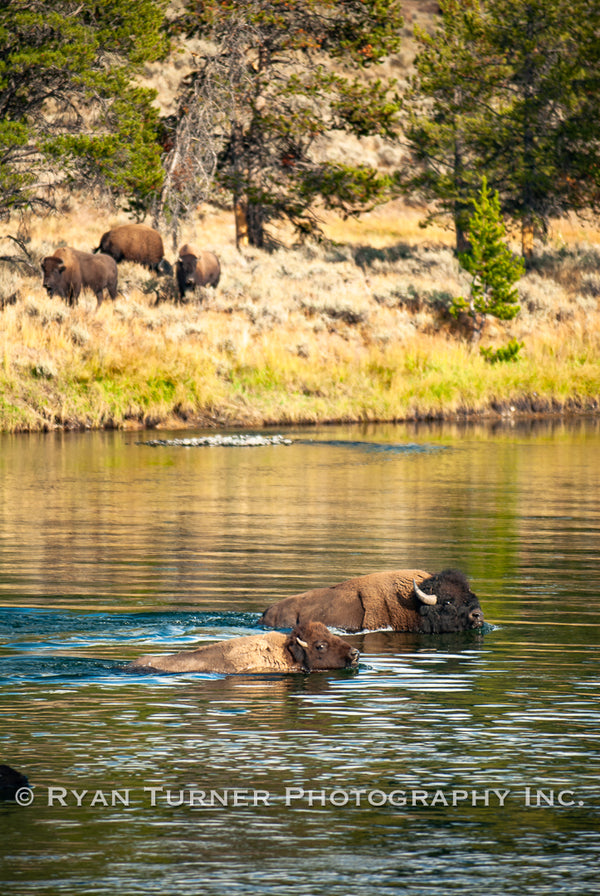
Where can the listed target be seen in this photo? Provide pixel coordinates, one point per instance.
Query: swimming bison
(405, 600)
(196, 268)
(69, 271)
(134, 242)
(308, 648)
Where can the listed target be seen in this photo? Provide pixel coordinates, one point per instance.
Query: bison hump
(388, 599)
(186, 249)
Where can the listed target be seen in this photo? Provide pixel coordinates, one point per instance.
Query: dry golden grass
(355, 328)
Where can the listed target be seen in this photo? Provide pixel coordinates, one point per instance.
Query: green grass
(388, 386)
(302, 335)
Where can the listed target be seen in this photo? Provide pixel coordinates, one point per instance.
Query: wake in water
(40, 644)
(250, 440)
(378, 447)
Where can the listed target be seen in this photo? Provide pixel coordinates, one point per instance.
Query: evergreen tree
(254, 111)
(510, 89)
(444, 112)
(493, 268)
(70, 113)
(544, 143)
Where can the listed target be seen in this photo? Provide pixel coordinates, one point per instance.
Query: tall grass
(354, 329)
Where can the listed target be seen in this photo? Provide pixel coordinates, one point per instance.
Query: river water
(444, 764)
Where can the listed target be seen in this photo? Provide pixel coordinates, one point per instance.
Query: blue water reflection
(444, 763)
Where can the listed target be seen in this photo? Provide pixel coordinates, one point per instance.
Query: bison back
(208, 269)
(250, 653)
(371, 602)
(133, 242)
(336, 607)
(98, 272)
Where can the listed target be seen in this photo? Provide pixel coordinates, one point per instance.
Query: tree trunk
(461, 204)
(527, 237)
(241, 224)
(256, 230)
(462, 241)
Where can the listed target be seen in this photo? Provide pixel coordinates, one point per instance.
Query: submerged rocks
(220, 441)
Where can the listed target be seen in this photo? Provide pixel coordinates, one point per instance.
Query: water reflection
(109, 549)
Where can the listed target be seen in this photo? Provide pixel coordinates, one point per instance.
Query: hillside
(354, 328)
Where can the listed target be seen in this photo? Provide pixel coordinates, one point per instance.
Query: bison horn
(302, 643)
(429, 599)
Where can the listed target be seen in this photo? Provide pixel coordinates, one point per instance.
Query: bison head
(447, 604)
(313, 646)
(187, 264)
(53, 268)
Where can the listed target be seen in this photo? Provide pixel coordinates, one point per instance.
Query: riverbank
(353, 329)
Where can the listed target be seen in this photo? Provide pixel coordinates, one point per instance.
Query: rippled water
(444, 764)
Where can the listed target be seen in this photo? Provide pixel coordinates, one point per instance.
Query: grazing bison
(196, 268)
(405, 600)
(69, 271)
(135, 242)
(308, 648)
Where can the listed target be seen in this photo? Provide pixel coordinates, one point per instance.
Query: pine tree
(544, 153)
(70, 112)
(445, 109)
(493, 268)
(509, 89)
(261, 100)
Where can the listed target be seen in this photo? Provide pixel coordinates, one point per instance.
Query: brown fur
(384, 600)
(196, 268)
(69, 271)
(267, 652)
(133, 242)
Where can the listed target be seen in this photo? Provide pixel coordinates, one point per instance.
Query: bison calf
(196, 268)
(69, 271)
(134, 242)
(405, 600)
(308, 648)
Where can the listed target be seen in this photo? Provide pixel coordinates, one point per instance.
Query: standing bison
(69, 271)
(308, 648)
(134, 242)
(405, 600)
(196, 268)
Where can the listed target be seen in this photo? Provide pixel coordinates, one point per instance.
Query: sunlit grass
(353, 330)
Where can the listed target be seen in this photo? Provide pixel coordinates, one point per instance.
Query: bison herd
(68, 271)
(403, 600)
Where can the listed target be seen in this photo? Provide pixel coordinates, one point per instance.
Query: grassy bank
(351, 330)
